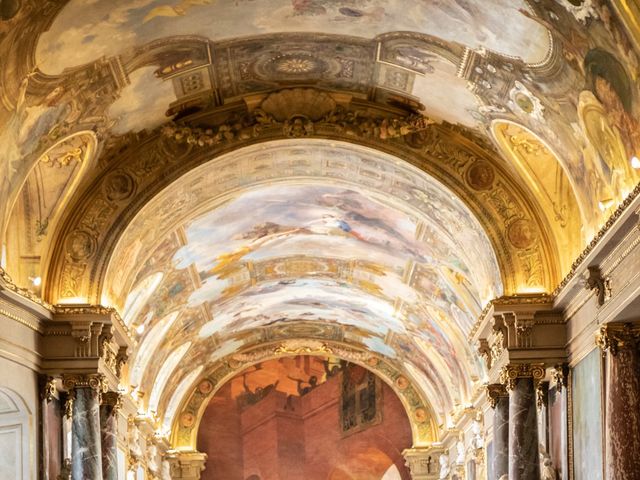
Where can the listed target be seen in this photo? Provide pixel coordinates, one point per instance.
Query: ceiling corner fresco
(302, 209)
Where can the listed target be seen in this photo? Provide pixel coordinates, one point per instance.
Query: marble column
(109, 434)
(622, 440)
(524, 462)
(499, 400)
(86, 451)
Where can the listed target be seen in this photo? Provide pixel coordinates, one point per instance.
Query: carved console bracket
(598, 283)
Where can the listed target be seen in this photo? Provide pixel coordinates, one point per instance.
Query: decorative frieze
(617, 336)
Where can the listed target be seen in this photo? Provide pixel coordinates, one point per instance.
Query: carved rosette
(512, 372)
(494, 392)
(617, 336)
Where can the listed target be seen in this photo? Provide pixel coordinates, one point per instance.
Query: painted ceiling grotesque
(240, 177)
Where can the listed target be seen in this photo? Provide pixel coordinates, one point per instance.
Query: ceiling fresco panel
(83, 32)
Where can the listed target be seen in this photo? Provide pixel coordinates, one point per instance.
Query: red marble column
(499, 401)
(622, 439)
(521, 379)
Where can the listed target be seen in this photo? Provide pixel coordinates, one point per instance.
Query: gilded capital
(47, 388)
(512, 372)
(559, 376)
(618, 336)
(112, 400)
(542, 391)
(95, 381)
(494, 392)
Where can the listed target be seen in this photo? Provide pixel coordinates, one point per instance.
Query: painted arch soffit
(136, 175)
(190, 400)
(307, 248)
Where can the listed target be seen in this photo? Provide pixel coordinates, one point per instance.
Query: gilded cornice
(7, 283)
(611, 221)
(533, 300)
(614, 337)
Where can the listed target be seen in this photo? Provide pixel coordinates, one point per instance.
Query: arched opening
(304, 416)
(15, 441)
(547, 177)
(40, 205)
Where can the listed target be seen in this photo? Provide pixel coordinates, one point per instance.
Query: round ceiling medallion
(480, 175)
(521, 233)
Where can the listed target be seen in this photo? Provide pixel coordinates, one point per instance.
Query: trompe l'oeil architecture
(319, 240)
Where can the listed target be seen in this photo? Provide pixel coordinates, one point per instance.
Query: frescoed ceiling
(404, 278)
(275, 169)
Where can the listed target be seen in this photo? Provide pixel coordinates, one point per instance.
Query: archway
(307, 417)
(15, 444)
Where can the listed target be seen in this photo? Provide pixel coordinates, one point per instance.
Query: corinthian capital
(494, 392)
(512, 372)
(96, 381)
(618, 336)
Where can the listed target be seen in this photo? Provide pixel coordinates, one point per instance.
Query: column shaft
(623, 415)
(86, 462)
(523, 432)
(109, 439)
(501, 438)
